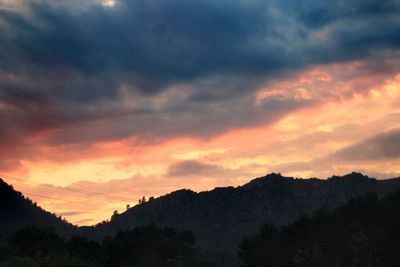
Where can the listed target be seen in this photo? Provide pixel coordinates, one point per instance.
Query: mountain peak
(274, 175)
(237, 211)
(271, 178)
(354, 176)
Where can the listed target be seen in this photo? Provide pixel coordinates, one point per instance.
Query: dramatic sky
(103, 102)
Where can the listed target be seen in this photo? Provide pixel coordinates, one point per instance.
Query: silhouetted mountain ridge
(220, 217)
(17, 212)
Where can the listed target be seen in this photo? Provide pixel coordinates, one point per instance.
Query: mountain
(221, 217)
(16, 212)
(363, 232)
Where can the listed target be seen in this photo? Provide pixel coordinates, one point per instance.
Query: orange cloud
(351, 102)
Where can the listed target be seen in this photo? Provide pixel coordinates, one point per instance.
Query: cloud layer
(98, 92)
(65, 65)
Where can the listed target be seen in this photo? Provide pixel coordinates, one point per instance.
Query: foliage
(35, 242)
(145, 246)
(84, 248)
(364, 232)
(150, 246)
(48, 262)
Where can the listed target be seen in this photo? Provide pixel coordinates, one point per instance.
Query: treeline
(148, 246)
(18, 211)
(364, 232)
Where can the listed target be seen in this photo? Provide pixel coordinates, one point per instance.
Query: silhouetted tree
(115, 213)
(364, 232)
(6, 251)
(150, 246)
(142, 200)
(37, 242)
(84, 248)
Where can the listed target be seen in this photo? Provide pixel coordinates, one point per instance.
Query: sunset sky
(103, 102)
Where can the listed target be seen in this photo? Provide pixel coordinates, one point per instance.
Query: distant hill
(363, 232)
(17, 212)
(221, 217)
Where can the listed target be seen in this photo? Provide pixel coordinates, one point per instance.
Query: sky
(103, 102)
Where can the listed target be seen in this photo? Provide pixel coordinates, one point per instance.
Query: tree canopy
(364, 232)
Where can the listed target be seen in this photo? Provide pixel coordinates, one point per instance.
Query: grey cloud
(194, 168)
(164, 42)
(380, 147)
(189, 119)
(153, 44)
(85, 221)
(62, 67)
(71, 213)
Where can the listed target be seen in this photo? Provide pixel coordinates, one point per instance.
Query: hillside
(221, 217)
(363, 232)
(16, 212)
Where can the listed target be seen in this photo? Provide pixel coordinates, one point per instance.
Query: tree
(83, 248)
(150, 246)
(142, 200)
(115, 213)
(37, 242)
(363, 232)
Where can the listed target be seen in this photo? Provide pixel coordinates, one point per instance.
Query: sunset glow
(145, 113)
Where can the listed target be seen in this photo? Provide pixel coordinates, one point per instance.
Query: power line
(59, 199)
(85, 192)
(69, 201)
(72, 189)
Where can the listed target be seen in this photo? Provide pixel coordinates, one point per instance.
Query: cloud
(192, 168)
(86, 222)
(70, 213)
(384, 146)
(81, 73)
(376, 151)
(157, 43)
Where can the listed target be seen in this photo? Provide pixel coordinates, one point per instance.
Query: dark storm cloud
(149, 44)
(63, 67)
(316, 14)
(164, 42)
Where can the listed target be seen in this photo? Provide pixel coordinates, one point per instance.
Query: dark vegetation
(221, 217)
(364, 232)
(306, 225)
(147, 246)
(17, 211)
